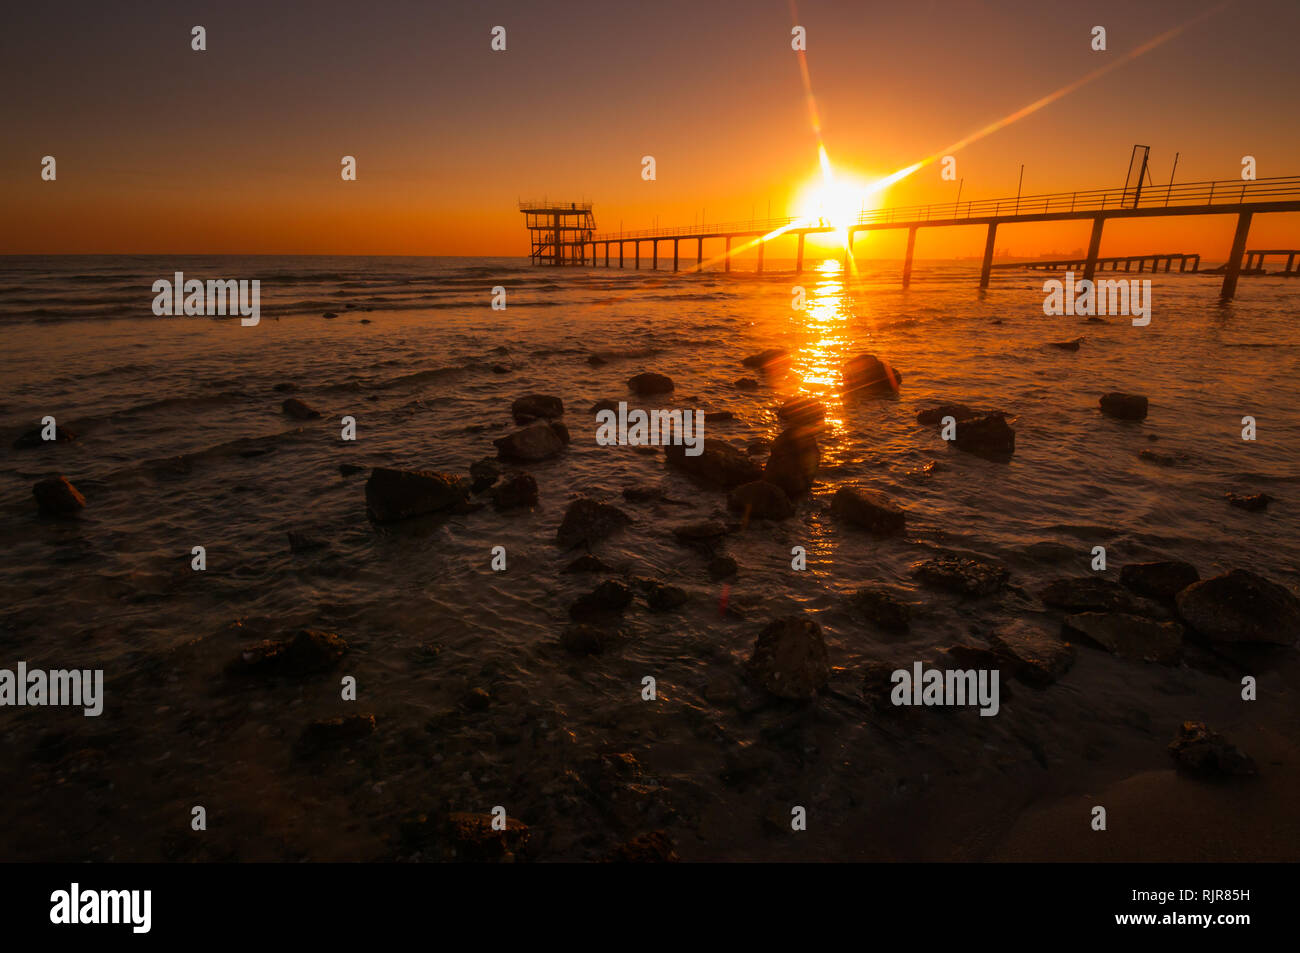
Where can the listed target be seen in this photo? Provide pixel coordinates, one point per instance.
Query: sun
(835, 200)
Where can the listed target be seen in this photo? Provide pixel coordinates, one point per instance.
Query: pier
(1243, 199)
(1128, 261)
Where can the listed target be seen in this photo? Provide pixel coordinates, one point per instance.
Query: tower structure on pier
(560, 231)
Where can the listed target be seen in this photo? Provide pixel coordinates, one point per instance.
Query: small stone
(587, 521)
(1204, 752)
(608, 599)
(1158, 580)
(760, 500)
(518, 489)
(1124, 406)
(664, 598)
(963, 575)
(483, 473)
(330, 733)
(649, 383)
(722, 567)
(538, 441)
(773, 359)
(1036, 656)
(882, 606)
(1252, 503)
(1240, 606)
(745, 383)
(400, 494)
(652, 848)
(867, 374)
(583, 639)
(537, 405)
(296, 409)
(307, 653)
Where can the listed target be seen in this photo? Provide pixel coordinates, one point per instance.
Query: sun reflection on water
(815, 368)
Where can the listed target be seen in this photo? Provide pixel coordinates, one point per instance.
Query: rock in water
(718, 463)
(660, 597)
(989, 436)
(794, 460)
(1159, 580)
(532, 406)
(802, 410)
(1124, 406)
(790, 658)
(33, 438)
(307, 653)
(721, 567)
(1251, 503)
(483, 474)
(518, 489)
(867, 374)
(760, 500)
(745, 383)
(868, 510)
(586, 521)
(933, 416)
(537, 441)
(583, 639)
(883, 607)
(607, 600)
(398, 494)
(58, 497)
(962, 575)
(1035, 656)
(1072, 345)
(296, 409)
(773, 359)
(1240, 606)
(649, 384)
(1092, 594)
(1128, 636)
(1202, 751)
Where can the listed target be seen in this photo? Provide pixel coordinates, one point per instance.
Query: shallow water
(428, 620)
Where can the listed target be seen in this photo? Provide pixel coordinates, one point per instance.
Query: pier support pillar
(654, 265)
(907, 260)
(699, 254)
(1094, 246)
(761, 243)
(798, 260)
(988, 254)
(620, 254)
(1290, 260)
(1234, 259)
(674, 254)
(728, 255)
(606, 254)
(638, 255)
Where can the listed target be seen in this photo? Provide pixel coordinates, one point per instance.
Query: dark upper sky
(160, 148)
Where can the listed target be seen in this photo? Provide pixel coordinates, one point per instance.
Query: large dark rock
(1159, 580)
(298, 410)
(399, 494)
(718, 463)
(795, 458)
(1240, 606)
(790, 658)
(58, 497)
(1128, 636)
(773, 359)
(745, 383)
(760, 500)
(1250, 502)
(661, 597)
(517, 490)
(307, 653)
(867, 374)
(963, 575)
(868, 510)
(537, 441)
(1034, 655)
(586, 521)
(531, 406)
(990, 437)
(1124, 406)
(1204, 752)
(649, 383)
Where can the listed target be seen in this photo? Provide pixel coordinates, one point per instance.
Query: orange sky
(161, 149)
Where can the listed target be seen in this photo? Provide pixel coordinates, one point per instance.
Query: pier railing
(758, 226)
(1223, 192)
